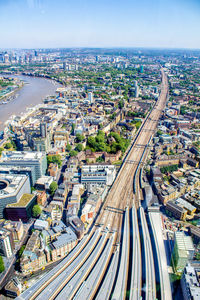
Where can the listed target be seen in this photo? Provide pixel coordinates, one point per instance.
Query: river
(33, 92)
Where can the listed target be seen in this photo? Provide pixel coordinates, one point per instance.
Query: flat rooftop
(21, 155)
(23, 201)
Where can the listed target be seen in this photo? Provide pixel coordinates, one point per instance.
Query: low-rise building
(183, 251)
(190, 283)
(41, 198)
(63, 244)
(43, 183)
(13, 288)
(177, 211)
(102, 174)
(16, 228)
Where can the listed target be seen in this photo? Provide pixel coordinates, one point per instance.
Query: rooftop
(23, 201)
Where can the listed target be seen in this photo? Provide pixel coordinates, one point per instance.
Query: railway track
(120, 197)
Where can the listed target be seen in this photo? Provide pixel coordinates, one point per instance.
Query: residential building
(16, 228)
(6, 242)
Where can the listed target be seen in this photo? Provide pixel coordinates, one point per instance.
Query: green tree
(2, 268)
(1, 150)
(54, 159)
(8, 145)
(79, 137)
(21, 250)
(159, 132)
(91, 142)
(36, 211)
(100, 159)
(79, 148)
(68, 147)
(53, 187)
(73, 153)
(121, 104)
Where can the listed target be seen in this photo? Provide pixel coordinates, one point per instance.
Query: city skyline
(46, 24)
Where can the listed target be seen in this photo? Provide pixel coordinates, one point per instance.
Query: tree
(8, 145)
(21, 250)
(100, 159)
(53, 187)
(73, 153)
(68, 147)
(159, 132)
(91, 142)
(121, 104)
(54, 159)
(36, 211)
(2, 268)
(79, 148)
(79, 137)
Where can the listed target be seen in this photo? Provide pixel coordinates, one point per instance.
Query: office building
(98, 174)
(12, 187)
(90, 97)
(21, 170)
(35, 160)
(22, 210)
(43, 129)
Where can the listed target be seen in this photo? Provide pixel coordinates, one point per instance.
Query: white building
(6, 247)
(90, 97)
(101, 174)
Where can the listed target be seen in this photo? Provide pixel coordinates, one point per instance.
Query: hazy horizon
(162, 24)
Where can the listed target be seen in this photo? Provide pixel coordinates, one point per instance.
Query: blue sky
(100, 23)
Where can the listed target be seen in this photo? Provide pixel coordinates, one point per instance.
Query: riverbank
(29, 95)
(7, 93)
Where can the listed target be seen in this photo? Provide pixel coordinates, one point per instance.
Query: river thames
(33, 92)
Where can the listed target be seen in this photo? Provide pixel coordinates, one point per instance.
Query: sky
(100, 23)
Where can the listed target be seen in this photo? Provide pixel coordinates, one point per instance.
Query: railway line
(90, 285)
(77, 271)
(136, 280)
(150, 279)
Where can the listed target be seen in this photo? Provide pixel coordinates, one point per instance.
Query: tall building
(36, 160)
(6, 242)
(6, 58)
(43, 129)
(183, 251)
(141, 69)
(64, 65)
(90, 97)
